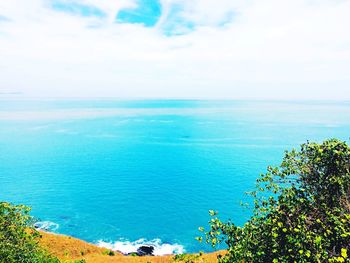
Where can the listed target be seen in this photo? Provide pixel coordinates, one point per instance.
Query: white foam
(128, 247)
(46, 226)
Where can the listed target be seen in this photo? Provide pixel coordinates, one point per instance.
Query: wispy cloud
(176, 48)
(4, 19)
(75, 8)
(174, 20)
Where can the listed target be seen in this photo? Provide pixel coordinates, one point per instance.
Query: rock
(145, 251)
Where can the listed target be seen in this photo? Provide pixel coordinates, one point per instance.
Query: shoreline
(70, 248)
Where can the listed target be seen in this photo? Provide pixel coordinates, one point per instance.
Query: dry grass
(69, 248)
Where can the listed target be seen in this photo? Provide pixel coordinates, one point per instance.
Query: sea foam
(46, 226)
(126, 247)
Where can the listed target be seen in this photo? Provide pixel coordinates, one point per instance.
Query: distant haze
(258, 49)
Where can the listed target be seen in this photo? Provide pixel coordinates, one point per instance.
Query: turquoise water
(114, 172)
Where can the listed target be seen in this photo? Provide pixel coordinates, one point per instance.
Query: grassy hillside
(68, 248)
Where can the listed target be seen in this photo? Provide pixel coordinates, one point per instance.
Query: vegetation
(18, 241)
(188, 258)
(108, 252)
(301, 210)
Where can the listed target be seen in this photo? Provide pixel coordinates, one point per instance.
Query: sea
(123, 173)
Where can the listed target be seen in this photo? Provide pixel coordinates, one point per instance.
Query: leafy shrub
(108, 252)
(301, 210)
(18, 241)
(186, 258)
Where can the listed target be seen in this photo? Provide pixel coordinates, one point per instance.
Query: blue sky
(147, 13)
(76, 8)
(293, 49)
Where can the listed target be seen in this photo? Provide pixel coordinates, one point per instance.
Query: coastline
(69, 248)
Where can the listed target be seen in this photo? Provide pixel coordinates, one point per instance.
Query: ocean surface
(125, 173)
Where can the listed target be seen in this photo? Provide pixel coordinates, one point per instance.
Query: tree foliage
(301, 210)
(18, 240)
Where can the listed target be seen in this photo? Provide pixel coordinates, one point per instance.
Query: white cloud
(270, 49)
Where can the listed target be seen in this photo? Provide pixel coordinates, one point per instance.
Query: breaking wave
(126, 247)
(46, 226)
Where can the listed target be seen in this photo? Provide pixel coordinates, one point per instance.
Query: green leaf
(344, 253)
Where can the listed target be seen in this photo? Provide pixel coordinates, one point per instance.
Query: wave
(126, 247)
(46, 226)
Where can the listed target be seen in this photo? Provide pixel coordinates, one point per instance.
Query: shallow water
(114, 172)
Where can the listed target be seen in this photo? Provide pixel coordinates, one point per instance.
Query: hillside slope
(69, 248)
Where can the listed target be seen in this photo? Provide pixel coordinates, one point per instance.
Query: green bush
(18, 240)
(301, 210)
(108, 252)
(187, 258)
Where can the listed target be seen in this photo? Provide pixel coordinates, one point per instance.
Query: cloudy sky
(240, 49)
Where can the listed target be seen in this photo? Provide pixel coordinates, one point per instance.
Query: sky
(211, 49)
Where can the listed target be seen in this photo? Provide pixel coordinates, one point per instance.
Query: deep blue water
(119, 171)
